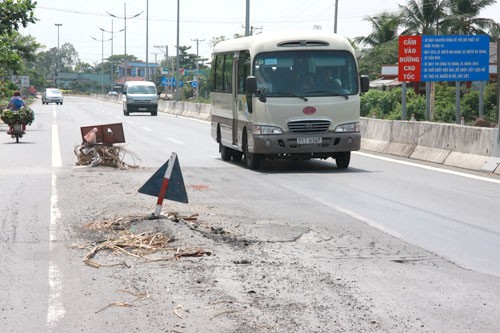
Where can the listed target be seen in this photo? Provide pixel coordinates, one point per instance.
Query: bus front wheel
(252, 160)
(342, 159)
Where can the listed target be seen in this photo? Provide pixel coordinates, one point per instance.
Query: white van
(140, 96)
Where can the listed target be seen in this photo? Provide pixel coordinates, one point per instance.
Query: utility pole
(56, 81)
(177, 69)
(197, 55)
(160, 47)
(147, 40)
(252, 29)
(166, 52)
(336, 16)
(247, 18)
(195, 77)
(156, 62)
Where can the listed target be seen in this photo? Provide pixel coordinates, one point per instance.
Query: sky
(200, 22)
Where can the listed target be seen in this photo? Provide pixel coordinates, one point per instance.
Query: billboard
(22, 81)
(443, 58)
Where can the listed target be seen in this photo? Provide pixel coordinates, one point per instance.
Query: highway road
(451, 213)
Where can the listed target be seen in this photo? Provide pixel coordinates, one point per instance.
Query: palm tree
(422, 17)
(385, 28)
(463, 17)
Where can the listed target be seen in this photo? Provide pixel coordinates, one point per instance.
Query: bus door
(234, 96)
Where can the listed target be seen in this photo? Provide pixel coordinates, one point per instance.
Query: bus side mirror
(251, 85)
(365, 83)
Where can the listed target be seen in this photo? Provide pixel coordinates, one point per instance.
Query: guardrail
(468, 147)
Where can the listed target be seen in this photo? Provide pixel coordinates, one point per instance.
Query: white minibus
(286, 95)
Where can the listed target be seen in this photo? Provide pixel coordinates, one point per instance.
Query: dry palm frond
(135, 245)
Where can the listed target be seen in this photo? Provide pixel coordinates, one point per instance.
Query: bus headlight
(266, 130)
(351, 127)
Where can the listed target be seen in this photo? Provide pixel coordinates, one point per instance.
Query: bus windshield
(306, 73)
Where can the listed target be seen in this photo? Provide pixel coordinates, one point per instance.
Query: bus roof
(286, 40)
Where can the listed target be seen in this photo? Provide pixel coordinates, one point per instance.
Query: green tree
(371, 60)
(84, 67)
(45, 61)
(385, 28)
(422, 17)
(16, 13)
(15, 49)
(68, 58)
(187, 60)
(463, 17)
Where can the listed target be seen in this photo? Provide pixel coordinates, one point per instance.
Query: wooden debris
(110, 155)
(135, 245)
(198, 253)
(122, 304)
(123, 241)
(139, 297)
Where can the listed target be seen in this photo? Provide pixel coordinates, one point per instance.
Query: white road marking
(175, 141)
(56, 149)
(55, 310)
(147, 129)
(427, 167)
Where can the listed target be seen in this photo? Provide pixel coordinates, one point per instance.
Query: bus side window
(228, 72)
(218, 74)
(243, 70)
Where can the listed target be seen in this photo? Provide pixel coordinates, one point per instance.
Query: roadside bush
(415, 104)
(387, 104)
(380, 103)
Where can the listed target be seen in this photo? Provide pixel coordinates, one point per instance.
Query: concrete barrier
(449, 144)
(468, 147)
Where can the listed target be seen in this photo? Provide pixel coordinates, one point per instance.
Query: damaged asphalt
(263, 267)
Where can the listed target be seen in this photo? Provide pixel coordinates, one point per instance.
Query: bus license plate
(311, 140)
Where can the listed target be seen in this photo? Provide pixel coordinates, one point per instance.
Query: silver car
(52, 95)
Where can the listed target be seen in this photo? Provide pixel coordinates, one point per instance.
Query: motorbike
(17, 121)
(17, 131)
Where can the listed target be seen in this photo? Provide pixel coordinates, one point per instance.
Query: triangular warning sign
(176, 191)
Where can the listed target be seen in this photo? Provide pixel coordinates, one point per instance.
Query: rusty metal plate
(107, 134)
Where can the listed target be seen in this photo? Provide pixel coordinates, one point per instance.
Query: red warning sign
(409, 58)
(166, 183)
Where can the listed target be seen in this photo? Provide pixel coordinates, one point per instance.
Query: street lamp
(102, 40)
(125, 29)
(58, 25)
(112, 32)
